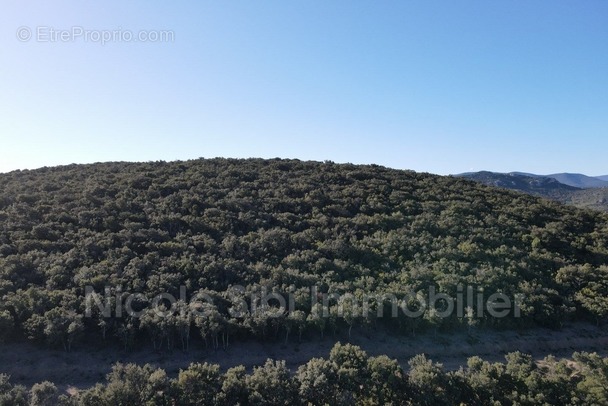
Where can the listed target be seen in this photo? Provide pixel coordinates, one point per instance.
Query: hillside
(352, 248)
(596, 199)
(579, 180)
(537, 185)
(576, 180)
(591, 197)
(285, 226)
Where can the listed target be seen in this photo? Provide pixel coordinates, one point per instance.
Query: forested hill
(285, 224)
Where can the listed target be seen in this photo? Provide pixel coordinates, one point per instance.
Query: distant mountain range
(577, 180)
(574, 179)
(569, 188)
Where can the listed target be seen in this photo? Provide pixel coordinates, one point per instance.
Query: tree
(485, 382)
(589, 287)
(317, 318)
(95, 396)
(261, 319)
(387, 383)
(295, 320)
(182, 320)
(63, 327)
(593, 387)
(126, 332)
(432, 317)
(317, 382)
(198, 384)
(12, 395)
(156, 321)
(415, 309)
(593, 299)
(332, 319)
(235, 390)
(131, 384)
(350, 311)
(429, 381)
(351, 369)
(271, 384)
(44, 394)
(557, 385)
(210, 323)
(34, 327)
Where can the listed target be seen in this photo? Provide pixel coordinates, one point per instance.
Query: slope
(547, 187)
(579, 180)
(361, 232)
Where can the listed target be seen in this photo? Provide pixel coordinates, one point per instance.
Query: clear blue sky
(435, 86)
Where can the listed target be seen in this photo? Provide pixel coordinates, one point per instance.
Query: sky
(434, 86)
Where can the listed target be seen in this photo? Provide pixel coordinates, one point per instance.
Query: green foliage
(271, 384)
(347, 377)
(317, 382)
(429, 380)
(351, 369)
(11, 395)
(284, 226)
(386, 381)
(593, 386)
(130, 384)
(44, 394)
(235, 390)
(199, 384)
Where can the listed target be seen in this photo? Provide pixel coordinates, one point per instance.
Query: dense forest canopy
(282, 225)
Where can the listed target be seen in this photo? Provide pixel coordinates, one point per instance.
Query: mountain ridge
(549, 187)
(577, 180)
